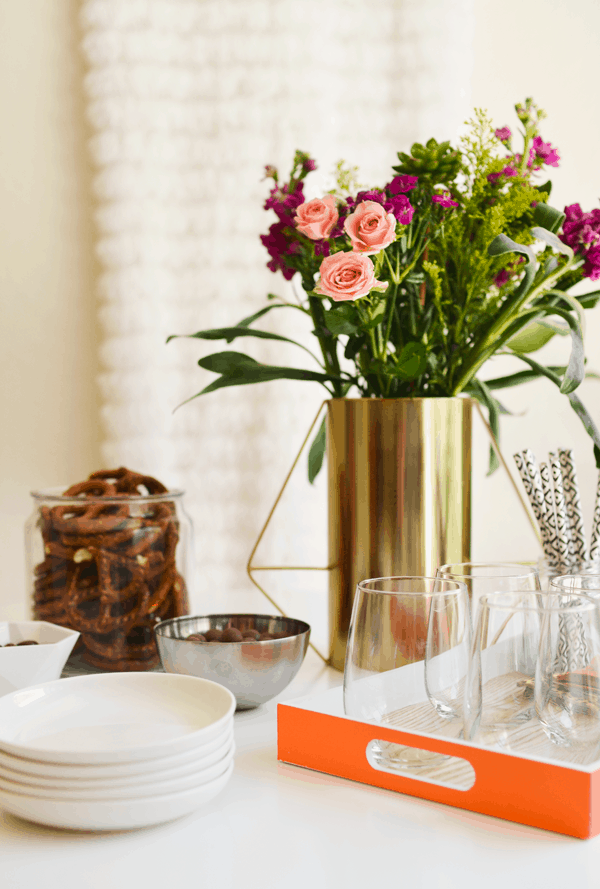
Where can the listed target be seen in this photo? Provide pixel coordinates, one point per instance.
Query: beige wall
(546, 49)
(48, 400)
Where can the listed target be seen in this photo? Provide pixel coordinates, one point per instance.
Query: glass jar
(110, 567)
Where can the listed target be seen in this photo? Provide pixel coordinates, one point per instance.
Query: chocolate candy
(232, 634)
(17, 644)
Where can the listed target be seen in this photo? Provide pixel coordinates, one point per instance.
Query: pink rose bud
(371, 229)
(348, 276)
(316, 218)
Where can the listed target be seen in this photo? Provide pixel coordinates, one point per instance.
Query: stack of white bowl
(114, 751)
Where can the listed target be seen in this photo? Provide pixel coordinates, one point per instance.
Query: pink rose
(316, 218)
(348, 276)
(370, 228)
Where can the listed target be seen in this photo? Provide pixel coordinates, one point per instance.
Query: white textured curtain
(188, 100)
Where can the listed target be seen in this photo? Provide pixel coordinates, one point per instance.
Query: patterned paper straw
(574, 511)
(532, 482)
(563, 534)
(550, 514)
(595, 543)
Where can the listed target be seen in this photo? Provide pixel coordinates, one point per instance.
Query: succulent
(435, 161)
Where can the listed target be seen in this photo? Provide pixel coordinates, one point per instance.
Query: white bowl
(123, 779)
(24, 665)
(112, 814)
(113, 717)
(196, 778)
(40, 770)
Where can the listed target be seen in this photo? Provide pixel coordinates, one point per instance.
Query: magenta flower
(502, 277)
(375, 194)
(493, 177)
(284, 202)
(545, 153)
(503, 133)
(444, 200)
(400, 184)
(279, 244)
(581, 231)
(309, 165)
(402, 208)
(509, 170)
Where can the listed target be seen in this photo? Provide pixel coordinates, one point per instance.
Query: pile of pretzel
(109, 569)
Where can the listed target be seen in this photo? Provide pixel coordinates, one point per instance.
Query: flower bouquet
(412, 287)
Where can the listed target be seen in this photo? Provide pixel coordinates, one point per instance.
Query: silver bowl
(254, 671)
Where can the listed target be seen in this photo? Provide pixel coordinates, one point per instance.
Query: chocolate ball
(231, 635)
(197, 637)
(27, 642)
(250, 635)
(213, 635)
(264, 636)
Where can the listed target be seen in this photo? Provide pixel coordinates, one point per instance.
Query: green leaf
(516, 379)
(376, 316)
(550, 238)
(530, 338)
(411, 362)
(232, 333)
(237, 369)
(245, 322)
(228, 362)
(548, 217)
(353, 347)
(479, 390)
(317, 452)
(589, 300)
(575, 371)
(574, 400)
(503, 244)
(546, 188)
(342, 320)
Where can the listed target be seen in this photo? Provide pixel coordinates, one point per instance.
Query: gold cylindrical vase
(399, 480)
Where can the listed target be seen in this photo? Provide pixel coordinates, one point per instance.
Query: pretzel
(107, 573)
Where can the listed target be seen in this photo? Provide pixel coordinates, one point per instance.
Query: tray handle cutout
(420, 764)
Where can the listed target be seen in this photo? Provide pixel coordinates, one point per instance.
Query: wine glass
(567, 683)
(407, 658)
(483, 578)
(502, 664)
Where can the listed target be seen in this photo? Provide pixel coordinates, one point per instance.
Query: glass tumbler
(407, 658)
(110, 567)
(567, 686)
(483, 578)
(501, 673)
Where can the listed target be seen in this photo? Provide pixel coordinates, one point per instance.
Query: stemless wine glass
(567, 683)
(501, 674)
(589, 584)
(483, 578)
(407, 658)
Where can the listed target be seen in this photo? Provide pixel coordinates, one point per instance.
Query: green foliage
(435, 162)
(479, 269)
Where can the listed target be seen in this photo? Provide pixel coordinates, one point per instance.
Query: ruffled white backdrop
(188, 100)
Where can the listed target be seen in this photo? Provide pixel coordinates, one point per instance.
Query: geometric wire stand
(250, 568)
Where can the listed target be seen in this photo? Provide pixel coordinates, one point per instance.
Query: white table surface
(277, 825)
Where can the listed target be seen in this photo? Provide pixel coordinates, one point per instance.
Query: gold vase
(399, 494)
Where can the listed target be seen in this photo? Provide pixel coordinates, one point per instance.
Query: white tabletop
(277, 825)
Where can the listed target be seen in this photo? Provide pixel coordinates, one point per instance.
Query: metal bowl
(254, 671)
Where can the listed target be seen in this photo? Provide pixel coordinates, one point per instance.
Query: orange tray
(314, 733)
